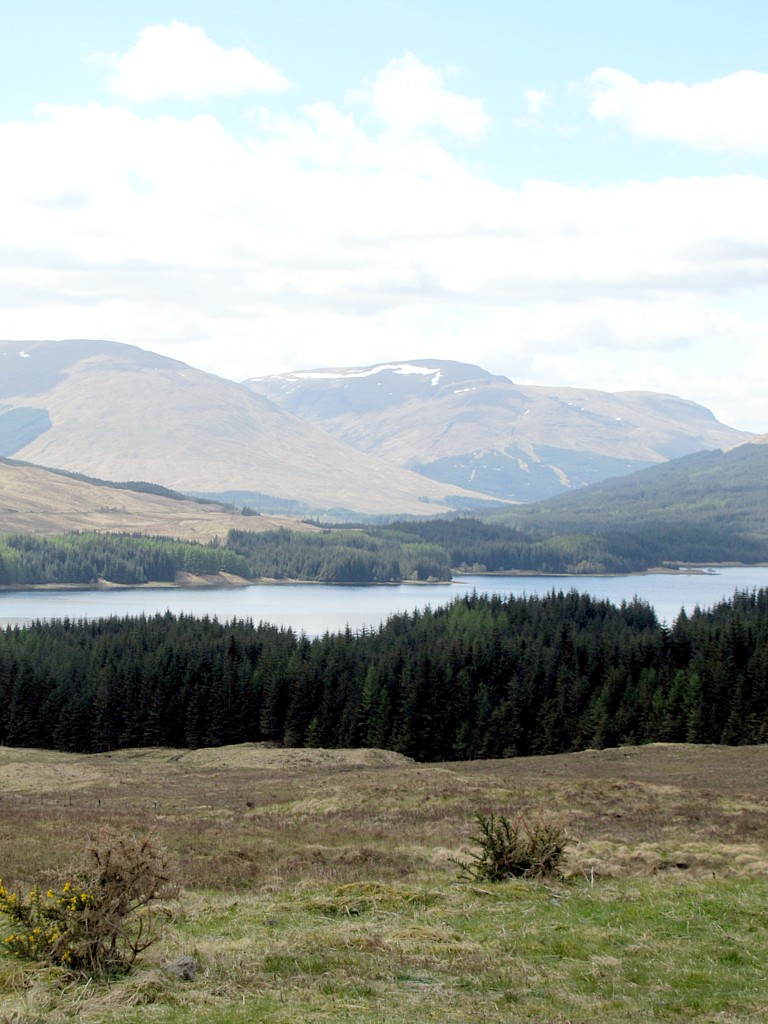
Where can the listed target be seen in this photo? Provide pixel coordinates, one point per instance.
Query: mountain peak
(34, 367)
(324, 391)
(458, 423)
(118, 412)
(438, 370)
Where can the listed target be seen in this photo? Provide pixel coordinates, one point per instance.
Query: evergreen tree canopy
(481, 677)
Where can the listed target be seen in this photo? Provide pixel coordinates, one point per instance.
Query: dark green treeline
(482, 677)
(384, 554)
(331, 556)
(84, 558)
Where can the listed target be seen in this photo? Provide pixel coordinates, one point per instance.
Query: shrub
(100, 921)
(522, 847)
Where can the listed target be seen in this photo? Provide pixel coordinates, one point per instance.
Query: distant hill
(457, 423)
(118, 412)
(40, 501)
(707, 506)
(716, 488)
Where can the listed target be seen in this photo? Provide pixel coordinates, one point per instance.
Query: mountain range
(456, 423)
(120, 413)
(411, 438)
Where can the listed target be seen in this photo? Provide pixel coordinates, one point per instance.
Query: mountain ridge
(408, 437)
(460, 424)
(119, 412)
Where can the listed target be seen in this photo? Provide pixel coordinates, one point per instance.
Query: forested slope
(536, 544)
(722, 492)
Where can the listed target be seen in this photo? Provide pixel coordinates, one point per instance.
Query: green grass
(628, 951)
(319, 887)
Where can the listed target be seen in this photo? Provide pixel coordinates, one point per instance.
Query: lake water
(316, 608)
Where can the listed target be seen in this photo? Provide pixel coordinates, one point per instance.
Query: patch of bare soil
(216, 579)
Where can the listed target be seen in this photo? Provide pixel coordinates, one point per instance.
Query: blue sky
(570, 194)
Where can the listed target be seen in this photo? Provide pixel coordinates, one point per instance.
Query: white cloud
(727, 114)
(325, 211)
(180, 60)
(536, 102)
(408, 95)
(323, 240)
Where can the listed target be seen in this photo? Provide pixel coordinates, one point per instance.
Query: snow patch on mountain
(370, 371)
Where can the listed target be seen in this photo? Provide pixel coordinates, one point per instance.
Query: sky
(570, 194)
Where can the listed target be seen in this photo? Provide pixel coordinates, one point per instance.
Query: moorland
(319, 885)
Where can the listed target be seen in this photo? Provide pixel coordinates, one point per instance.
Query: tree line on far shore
(401, 551)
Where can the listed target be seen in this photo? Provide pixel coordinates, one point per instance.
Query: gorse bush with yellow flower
(100, 921)
(47, 925)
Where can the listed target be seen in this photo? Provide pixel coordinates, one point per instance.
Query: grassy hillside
(40, 501)
(319, 886)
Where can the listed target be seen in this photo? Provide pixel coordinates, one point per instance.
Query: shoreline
(225, 581)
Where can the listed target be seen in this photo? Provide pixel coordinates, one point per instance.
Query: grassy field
(319, 886)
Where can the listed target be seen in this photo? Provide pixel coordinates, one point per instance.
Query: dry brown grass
(319, 886)
(35, 500)
(235, 816)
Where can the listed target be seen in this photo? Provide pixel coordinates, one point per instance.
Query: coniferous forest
(424, 551)
(481, 677)
(329, 556)
(85, 558)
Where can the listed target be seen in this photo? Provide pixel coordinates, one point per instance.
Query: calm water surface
(315, 608)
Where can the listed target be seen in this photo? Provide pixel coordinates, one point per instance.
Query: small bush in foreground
(520, 847)
(100, 921)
